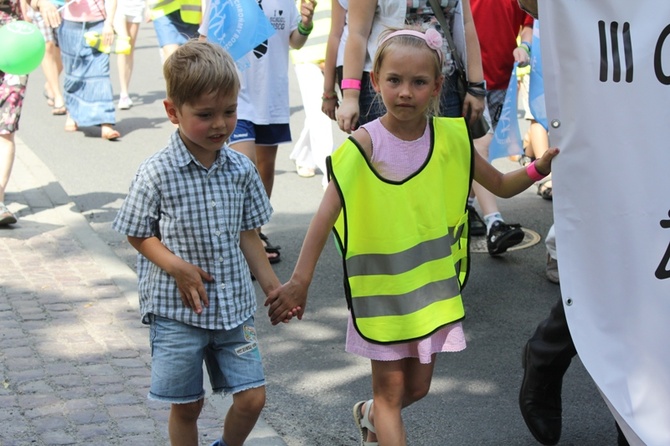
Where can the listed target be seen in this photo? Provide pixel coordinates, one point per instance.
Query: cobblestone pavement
(74, 357)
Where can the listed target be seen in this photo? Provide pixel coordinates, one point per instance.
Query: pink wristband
(351, 84)
(532, 172)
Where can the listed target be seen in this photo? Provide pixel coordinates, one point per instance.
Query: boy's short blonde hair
(197, 68)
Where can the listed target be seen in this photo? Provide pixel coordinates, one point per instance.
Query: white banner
(607, 86)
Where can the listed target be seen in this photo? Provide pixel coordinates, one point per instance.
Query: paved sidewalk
(74, 357)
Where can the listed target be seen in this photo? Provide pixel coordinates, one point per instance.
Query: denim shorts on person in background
(263, 135)
(178, 350)
(172, 30)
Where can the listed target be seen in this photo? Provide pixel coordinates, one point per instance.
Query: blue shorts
(263, 135)
(172, 30)
(232, 358)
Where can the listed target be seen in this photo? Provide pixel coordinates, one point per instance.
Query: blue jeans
(178, 350)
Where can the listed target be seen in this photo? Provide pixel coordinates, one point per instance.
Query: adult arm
(472, 105)
(337, 22)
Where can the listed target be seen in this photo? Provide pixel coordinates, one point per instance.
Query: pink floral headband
(432, 38)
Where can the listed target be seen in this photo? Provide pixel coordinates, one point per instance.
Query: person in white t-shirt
(263, 112)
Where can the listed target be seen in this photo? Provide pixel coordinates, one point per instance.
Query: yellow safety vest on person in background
(190, 10)
(405, 244)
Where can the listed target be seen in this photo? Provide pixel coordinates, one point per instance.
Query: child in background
(264, 111)
(192, 211)
(398, 205)
(129, 16)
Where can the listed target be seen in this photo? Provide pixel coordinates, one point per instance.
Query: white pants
(550, 242)
(316, 139)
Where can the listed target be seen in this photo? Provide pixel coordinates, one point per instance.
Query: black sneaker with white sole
(502, 236)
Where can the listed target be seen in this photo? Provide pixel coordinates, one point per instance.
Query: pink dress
(395, 159)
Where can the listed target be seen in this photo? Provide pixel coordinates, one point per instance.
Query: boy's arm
(257, 259)
(293, 294)
(189, 277)
(297, 39)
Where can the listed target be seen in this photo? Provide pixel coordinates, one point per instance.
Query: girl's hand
(543, 165)
(347, 115)
(329, 106)
(286, 302)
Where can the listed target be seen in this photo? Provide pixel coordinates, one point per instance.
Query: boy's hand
(286, 302)
(543, 165)
(191, 288)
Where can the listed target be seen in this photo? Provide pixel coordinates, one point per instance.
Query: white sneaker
(305, 172)
(125, 103)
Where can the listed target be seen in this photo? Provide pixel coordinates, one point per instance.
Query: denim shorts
(178, 350)
(262, 135)
(172, 30)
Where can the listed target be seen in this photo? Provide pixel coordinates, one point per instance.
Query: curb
(40, 177)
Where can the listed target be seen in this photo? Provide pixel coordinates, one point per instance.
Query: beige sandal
(362, 420)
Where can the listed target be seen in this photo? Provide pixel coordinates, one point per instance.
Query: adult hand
(473, 107)
(49, 13)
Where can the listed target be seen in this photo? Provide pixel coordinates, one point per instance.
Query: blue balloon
(22, 47)
(238, 26)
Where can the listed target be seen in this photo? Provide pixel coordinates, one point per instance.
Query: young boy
(192, 213)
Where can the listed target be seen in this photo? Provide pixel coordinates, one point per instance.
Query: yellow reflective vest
(404, 244)
(189, 10)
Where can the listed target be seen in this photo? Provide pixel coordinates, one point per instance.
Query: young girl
(398, 205)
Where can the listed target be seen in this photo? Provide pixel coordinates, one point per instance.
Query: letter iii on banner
(606, 79)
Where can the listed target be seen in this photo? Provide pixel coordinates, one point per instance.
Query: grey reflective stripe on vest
(193, 8)
(398, 263)
(373, 306)
(160, 4)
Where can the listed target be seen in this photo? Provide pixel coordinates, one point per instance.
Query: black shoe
(475, 222)
(621, 438)
(540, 402)
(503, 236)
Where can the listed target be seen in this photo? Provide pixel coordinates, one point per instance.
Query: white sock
(489, 219)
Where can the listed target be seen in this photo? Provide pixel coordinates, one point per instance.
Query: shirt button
(223, 286)
(218, 233)
(220, 259)
(213, 203)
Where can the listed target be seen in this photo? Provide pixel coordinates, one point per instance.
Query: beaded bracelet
(533, 173)
(329, 96)
(305, 31)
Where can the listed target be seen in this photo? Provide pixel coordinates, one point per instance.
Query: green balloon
(22, 47)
